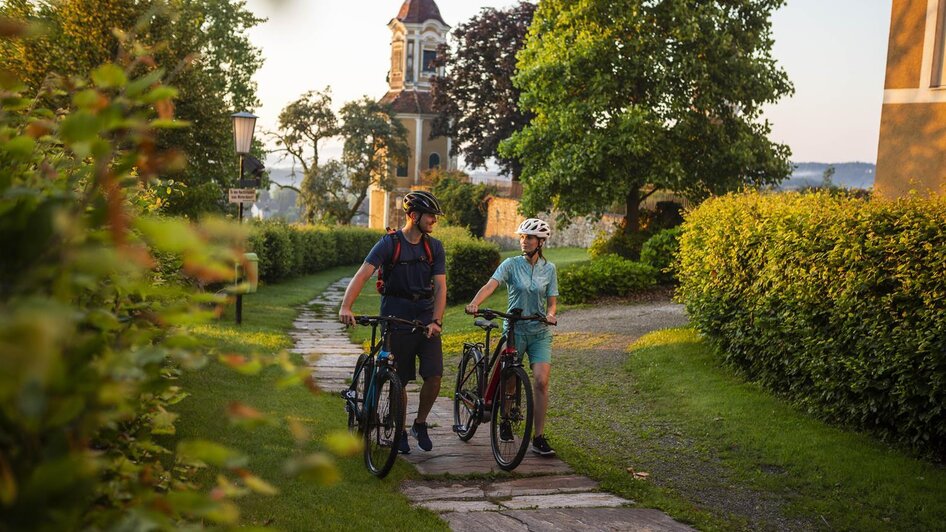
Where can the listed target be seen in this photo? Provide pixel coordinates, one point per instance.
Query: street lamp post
(243, 125)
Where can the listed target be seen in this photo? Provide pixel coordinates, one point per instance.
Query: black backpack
(385, 270)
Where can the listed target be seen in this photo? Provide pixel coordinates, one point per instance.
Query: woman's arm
(550, 311)
(486, 291)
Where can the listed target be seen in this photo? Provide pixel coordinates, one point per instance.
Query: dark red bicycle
(504, 398)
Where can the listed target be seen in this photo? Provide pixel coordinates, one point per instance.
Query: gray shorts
(408, 347)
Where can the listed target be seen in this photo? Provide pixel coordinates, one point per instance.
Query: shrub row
(470, 263)
(834, 301)
(604, 275)
(288, 250)
(659, 252)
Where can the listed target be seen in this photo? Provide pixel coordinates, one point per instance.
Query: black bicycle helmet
(421, 201)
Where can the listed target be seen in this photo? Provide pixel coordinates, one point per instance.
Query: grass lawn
(358, 501)
(724, 454)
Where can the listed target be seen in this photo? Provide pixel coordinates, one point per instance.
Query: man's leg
(428, 395)
(431, 370)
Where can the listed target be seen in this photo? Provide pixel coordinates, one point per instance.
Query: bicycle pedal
(458, 428)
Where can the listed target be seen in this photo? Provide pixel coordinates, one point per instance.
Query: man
(413, 288)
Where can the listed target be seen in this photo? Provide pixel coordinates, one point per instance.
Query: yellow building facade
(416, 33)
(911, 153)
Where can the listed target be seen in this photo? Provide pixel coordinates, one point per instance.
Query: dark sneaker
(419, 431)
(505, 432)
(404, 446)
(541, 447)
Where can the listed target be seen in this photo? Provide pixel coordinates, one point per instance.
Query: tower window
(402, 170)
(938, 77)
(410, 61)
(429, 57)
(433, 161)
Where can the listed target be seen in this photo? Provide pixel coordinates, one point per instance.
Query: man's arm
(354, 288)
(440, 304)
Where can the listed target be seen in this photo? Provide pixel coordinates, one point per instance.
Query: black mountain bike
(374, 400)
(505, 399)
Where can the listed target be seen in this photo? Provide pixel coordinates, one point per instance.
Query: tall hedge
(836, 302)
(607, 275)
(288, 250)
(470, 263)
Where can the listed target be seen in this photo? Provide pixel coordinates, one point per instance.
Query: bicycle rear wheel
(384, 423)
(355, 395)
(511, 427)
(467, 403)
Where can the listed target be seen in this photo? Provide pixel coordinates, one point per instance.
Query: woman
(533, 286)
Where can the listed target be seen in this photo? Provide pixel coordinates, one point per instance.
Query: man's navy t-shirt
(413, 277)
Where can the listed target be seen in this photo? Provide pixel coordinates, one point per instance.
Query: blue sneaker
(419, 431)
(404, 446)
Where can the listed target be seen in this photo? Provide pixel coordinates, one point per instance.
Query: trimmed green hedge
(604, 275)
(288, 250)
(470, 263)
(834, 301)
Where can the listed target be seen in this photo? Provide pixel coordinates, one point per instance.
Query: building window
(429, 57)
(433, 161)
(938, 77)
(409, 75)
(402, 170)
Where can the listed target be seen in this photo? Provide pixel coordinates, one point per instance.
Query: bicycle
(374, 400)
(475, 400)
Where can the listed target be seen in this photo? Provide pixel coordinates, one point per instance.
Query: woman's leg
(540, 386)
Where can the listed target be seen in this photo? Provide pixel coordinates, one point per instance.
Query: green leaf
(20, 148)
(162, 422)
(211, 453)
(109, 75)
(160, 93)
(316, 467)
(137, 86)
(79, 126)
(259, 485)
(87, 99)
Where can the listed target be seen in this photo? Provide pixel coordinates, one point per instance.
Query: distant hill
(846, 175)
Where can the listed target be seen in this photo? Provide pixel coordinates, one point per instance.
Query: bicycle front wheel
(511, 427)
(466, 395)
(384, 423)
(355, 395)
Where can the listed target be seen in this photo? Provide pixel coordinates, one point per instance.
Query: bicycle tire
(467, 401)
(384, 424)
(355, 400)
(508, 408)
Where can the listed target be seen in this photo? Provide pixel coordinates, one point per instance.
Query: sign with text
(242, 195)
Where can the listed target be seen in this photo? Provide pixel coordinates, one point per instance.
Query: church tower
(416, 33)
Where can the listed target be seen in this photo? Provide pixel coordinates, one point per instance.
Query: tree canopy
(631, 96)
(476, 100)
(202, 46)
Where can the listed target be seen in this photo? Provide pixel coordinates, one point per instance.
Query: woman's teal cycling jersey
(529, 289)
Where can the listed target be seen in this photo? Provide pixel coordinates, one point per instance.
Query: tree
(202, 46)
(631, 96)
(302, 125)
(326, 194)
(464, 204)
(375, 144)
(476, 100)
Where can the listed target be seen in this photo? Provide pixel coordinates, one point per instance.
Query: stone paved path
(542, 494)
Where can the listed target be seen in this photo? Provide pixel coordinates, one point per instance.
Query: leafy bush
(464, 204)
(835, 301)
(605, 275)
(618, 243)
(659, 252)
(93, 318)
(470, 264)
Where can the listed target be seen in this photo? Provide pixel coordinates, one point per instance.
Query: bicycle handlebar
(374, 320)
(491, 314)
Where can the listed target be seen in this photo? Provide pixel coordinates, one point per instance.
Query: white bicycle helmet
(534, 226)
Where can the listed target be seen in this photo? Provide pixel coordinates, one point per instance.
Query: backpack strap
(384, 272)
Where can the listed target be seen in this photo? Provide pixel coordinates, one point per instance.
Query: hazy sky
(833, 50)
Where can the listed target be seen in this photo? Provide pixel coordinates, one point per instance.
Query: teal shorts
(537, 346)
